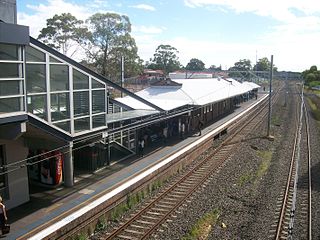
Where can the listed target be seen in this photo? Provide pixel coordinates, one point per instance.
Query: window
(10, 88)
(65, 125)
(60, 108)
(9, 52)
(98, 101)
(51, 59)
(80, 80)
(81, 103)
(96, 84)
(13, 104)
(34, 55)
(59, 78)
(37, 105)
(36, 78)
(99, 121)
(81, 124)
(9, 70)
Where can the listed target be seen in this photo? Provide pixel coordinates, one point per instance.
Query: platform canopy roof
(188, 92)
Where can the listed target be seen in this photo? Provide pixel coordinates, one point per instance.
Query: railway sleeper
(133, 231)
(126, 237)
(149, 217)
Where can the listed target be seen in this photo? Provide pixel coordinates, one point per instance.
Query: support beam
(68, 167)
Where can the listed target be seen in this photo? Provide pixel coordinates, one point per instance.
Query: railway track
(287, 205)
(143, 223)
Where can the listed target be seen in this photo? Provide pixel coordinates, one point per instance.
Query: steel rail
(309, 174)
(212, 167)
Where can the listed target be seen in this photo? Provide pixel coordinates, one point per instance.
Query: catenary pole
(122, 73)
(270, 92)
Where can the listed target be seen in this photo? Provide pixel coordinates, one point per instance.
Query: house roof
(191, 92)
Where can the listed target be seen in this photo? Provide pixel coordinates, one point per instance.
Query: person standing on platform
(3, 214)
(141, 147)
(165, 134)
(200, 125)
(183, 129)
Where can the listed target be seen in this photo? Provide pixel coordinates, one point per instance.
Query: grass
(101, 225)
(203, 226)
(132, 200)
(265, 164)
(275, 121)
(314, 109)
(253, 177)
(81, 236)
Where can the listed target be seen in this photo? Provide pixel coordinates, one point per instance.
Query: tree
(195, 65)
(264, 64)
(311, 75)
(215, 68)
(109, 40)
(165, 58)
(241, 69)
(63, 32)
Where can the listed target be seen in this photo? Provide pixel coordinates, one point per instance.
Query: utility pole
(122, 73)
(270, 91)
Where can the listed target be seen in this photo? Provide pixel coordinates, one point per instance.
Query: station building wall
(16, 188)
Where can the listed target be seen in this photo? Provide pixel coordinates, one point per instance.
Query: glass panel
(81, 124)
(80, 80)
(9, 70)
(63, 125)
(98, 121)
(60, 108)
(81, 103)
(98, 101)
(34, 55)
(96, 84)
(9, 52)
(37, 105)
(10, 88)
(10, 105)
(36, 78)
(51, 59)
(59, 77)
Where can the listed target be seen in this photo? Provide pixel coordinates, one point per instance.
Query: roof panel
(193, 92)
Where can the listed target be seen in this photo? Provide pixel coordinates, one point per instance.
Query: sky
(217, 32)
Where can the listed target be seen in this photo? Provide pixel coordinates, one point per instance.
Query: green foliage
(82, 236)
(313, 69)
(314, 109)
(241, 69)
(311, 75)
(252, 177)
(215, 68)
(101, 225)
(110, 40)
(203, 226)
(63, 32)
(165, 58)
(265, 164)
(195, 65)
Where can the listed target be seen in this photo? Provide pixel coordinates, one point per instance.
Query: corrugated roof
(192, 92)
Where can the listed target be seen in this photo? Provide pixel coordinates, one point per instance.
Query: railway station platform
(47, 205)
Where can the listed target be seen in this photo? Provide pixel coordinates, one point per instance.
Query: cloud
(292, 39)
(148, 30)
(144, 7)
(37, 20)
(284, 10)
